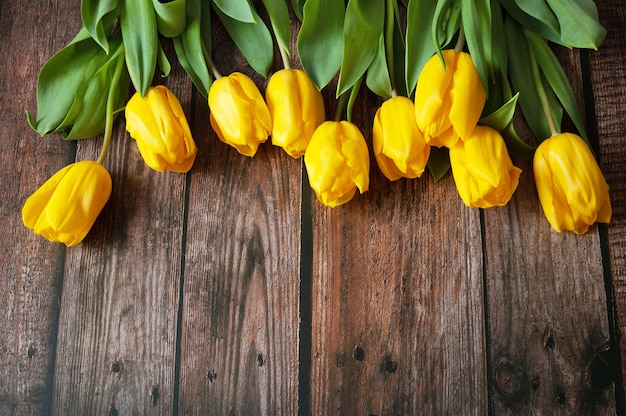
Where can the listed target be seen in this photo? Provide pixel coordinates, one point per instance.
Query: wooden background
(232, 290)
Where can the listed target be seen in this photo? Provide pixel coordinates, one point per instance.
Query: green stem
(108, 120)
(285, 57)
(543, 97)
(341, 105)
(460, 42)
(390, 25)
(209, 61)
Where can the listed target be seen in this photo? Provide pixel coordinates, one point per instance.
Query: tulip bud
(572, 190)
(239, 115)
(448, 101)
(482, 169)
(296, 107)
(399, 146)
(65, 207)
(159, 126)
(337, 162)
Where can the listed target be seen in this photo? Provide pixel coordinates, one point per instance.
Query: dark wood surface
(232, 290)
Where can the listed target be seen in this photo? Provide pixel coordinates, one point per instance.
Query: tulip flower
(337, 162)
(399, 146)
(296, 107)
(448, 101)
(572, 190)
(239, 114)
(482, 169)
(159, 126)
(65, 207)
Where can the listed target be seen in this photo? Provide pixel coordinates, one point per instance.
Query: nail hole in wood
(260, 360)
(116, 368)
(154, 394)
(211, 375)
(359, 353)
(390, 365)
(31, 351)
(599, 371)
(534, 384)
(111, 410)
(560, 397)
(548, 340)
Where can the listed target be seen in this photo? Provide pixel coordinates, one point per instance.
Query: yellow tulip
(448, 101)
(337, 162)
(482, 169)
(239, 114)
(399, 146)
(296, 107)
(65, 207)
(159, 126)
(572, 190)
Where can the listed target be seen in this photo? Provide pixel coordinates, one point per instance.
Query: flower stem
(341, 105)
(390, 25)
(460, 42)
(108, 117)
(285, 57)
(543, 97)
(209, 61)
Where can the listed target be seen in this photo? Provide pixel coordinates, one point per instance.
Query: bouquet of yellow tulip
(451, 73)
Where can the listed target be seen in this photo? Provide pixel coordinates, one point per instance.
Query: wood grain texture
(608, 73)
(117, 339)
(239, 346)
(544, 342)
(398, 317)
(31, 277)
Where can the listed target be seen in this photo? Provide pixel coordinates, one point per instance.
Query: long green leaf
(557, 79)
(579, 23)
(530, 22)
(502, 120)
(93, 14)
(171, 17)
(320, 41)
(193, 43)
(254, 40)
(240, 10)
(139, 31)
(363, 27)
(377, 79)
(419, 45)
(279, 18)
(298, 8)
(477, 25)
(540, 10)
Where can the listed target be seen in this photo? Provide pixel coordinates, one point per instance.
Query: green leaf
(193, 43)
(502, 120)
(540, 10)
(476, 15)
(438, 162)
(298, 8)
(530, 22)
(171, 17)
(240, 10)
(98, 17)
(73, 86)
(163, 63)
(139, 31)
(377, 79)
(254, 40)
(445, 23)
(579, 23)
(281, 23)
(557, 79)
(320, 41)
(521, 72)
(419, 44)
(363, 27)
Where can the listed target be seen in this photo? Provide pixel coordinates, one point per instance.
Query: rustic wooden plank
(608, 70)
(239, 346)
(398, 317)
(31, 267)
(116, 348)
(547, 304)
